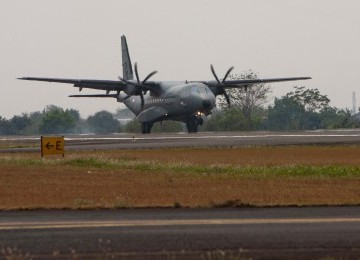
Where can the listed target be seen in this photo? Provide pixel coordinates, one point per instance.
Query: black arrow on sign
(48, 145)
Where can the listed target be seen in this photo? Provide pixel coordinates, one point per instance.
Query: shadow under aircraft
(156, 101)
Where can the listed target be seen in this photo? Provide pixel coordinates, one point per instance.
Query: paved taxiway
(199, 140)
(245, 232)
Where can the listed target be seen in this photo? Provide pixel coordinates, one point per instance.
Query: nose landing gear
(193, 122)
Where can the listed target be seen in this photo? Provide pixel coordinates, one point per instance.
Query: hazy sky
(180, 39)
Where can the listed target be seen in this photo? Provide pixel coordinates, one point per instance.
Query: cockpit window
(195, 90)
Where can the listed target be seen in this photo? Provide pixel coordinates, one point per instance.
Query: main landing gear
(146, 127)
(193, 122)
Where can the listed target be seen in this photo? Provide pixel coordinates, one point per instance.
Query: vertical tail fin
(126, 61)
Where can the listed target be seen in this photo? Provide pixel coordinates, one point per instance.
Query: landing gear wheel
(146, 127)
(192, 124)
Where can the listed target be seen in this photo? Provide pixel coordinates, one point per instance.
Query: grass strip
(187, 168)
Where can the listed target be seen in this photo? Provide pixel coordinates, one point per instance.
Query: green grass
(186, 168)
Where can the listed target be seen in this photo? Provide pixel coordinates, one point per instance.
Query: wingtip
(25, 78)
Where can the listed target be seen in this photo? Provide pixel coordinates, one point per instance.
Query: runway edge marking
(139, 223)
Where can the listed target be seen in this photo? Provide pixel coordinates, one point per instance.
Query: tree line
(299, 109)
(55, 120)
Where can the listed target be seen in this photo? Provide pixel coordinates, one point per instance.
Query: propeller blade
(142, 100)
(136, 73)
(149, 76)
(227, 98)
(123, 80)
(227, 74)
(221, 88)
(140, 85)
(126, 81)
(213, 72)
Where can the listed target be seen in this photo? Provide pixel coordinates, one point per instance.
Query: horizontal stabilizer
(97, 95)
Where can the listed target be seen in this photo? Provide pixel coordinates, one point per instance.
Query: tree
(284, 115)
(332, 117)
(35, 121)
(124, 113)
(4, 126)
(310, 99)
(311, 102)
(247, 100)
(17, 125)
(132, 127)
(299, 109)
(56, 121)
(103, 122)
(229, 119)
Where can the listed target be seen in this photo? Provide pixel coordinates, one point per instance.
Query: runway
(199, 140)
(183, 233)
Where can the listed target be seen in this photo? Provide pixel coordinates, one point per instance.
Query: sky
(81, 40)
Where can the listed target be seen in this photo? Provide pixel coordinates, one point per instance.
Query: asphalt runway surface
(183, 233)
(199, 140)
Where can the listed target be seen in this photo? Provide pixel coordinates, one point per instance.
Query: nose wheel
(192, 124)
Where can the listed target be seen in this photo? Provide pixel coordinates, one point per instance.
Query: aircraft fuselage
(180, 99)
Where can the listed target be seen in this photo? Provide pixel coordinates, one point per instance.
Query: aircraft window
(195, 90)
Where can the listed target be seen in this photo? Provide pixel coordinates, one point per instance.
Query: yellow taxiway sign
(51, 145)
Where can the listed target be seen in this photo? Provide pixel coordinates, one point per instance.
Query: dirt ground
(66, 186)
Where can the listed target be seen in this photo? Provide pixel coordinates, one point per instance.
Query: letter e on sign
(51, 145)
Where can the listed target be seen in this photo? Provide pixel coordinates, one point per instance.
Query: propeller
(221, 83)
(140, 85)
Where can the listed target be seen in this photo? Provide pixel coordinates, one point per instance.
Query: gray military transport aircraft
(156, 101)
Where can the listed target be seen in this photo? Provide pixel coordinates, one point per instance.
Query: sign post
(51, 145)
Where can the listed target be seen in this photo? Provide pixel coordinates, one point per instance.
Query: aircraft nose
(206, 104)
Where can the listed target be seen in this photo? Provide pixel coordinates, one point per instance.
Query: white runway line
(202, 137)
(142, 223)
(184, 137)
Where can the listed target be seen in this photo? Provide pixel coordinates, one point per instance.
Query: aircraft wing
(238, 83)
(108, 85)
